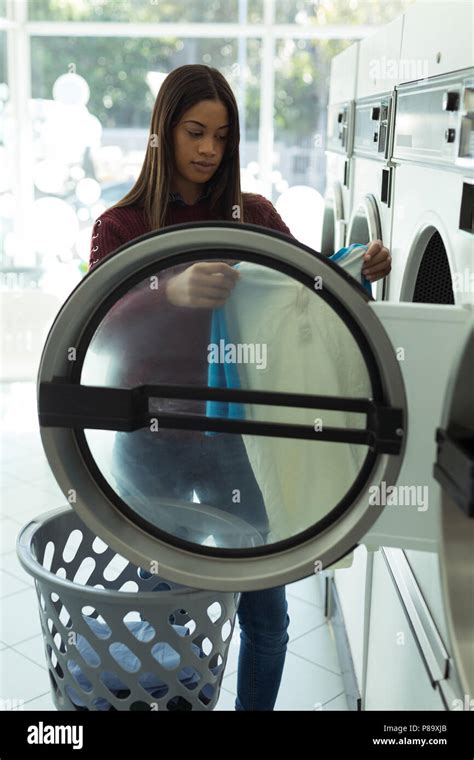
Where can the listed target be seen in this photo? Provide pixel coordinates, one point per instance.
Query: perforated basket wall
(117, 637)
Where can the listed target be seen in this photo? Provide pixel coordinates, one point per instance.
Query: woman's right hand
(205, 285)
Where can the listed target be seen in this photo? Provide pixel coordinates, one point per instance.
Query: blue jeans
(263, 619)
(144, 463)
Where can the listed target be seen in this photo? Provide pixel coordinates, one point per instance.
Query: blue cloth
(223, 375)
(344, 253)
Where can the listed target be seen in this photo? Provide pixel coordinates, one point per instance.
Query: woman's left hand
(377, 261)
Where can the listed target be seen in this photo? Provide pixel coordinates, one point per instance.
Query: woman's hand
(377, 261)
(206, 285)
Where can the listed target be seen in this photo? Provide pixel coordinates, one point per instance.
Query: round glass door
(232, 445)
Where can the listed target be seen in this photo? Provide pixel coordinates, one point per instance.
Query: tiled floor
(311, 678)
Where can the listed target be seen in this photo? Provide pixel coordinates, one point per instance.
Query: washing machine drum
(234, 445)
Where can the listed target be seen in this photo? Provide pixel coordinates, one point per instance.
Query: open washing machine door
(253, 445)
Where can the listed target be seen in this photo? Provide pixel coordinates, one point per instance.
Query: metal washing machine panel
(430, 49)
(326, 426)
(378, 64)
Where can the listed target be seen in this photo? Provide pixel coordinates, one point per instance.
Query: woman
(191, 172)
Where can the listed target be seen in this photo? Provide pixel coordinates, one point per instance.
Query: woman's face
(200, 136)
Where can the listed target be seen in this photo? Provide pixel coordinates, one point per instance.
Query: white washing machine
(340, 127)
(372, 172)
(432, 253)
(385, 422)
(433, 217)
(369, 219)
(407, 584)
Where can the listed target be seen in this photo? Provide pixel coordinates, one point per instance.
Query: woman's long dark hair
(183, 88)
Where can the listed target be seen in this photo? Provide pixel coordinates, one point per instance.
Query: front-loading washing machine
(432, 246)
(433, 218)
(372, 171)
(369, 218)
(339, 139)
(340, 435)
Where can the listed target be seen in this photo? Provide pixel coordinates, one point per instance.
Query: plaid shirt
(177, 197)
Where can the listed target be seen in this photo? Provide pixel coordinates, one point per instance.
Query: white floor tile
(226, 701)
(308, 589)
(45, 702)
(229, 682)
(9, 530)
(35, 512)
(50, 485)
(21, 678)
(7, 481)
(9, 584)
(10, 451)
(305, 686)
(36, 467)
(33, 649)
(303, 617)
(13, 445)
(31, 439)
(319, 647)
(233, 652)
(30, 500)
(20, 617)
(11, 564)
(26, 466)
(339, 703)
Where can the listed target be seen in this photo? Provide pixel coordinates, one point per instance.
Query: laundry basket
(117, 637)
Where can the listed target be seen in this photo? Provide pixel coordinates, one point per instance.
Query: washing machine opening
(359, 228)
(365, 222)
(433, 280)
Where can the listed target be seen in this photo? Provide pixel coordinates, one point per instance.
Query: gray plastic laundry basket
(117, 637)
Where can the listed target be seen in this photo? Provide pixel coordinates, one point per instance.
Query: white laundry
(309, 350)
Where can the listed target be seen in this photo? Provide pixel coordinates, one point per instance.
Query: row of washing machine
(400, 152)
(400, 168)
